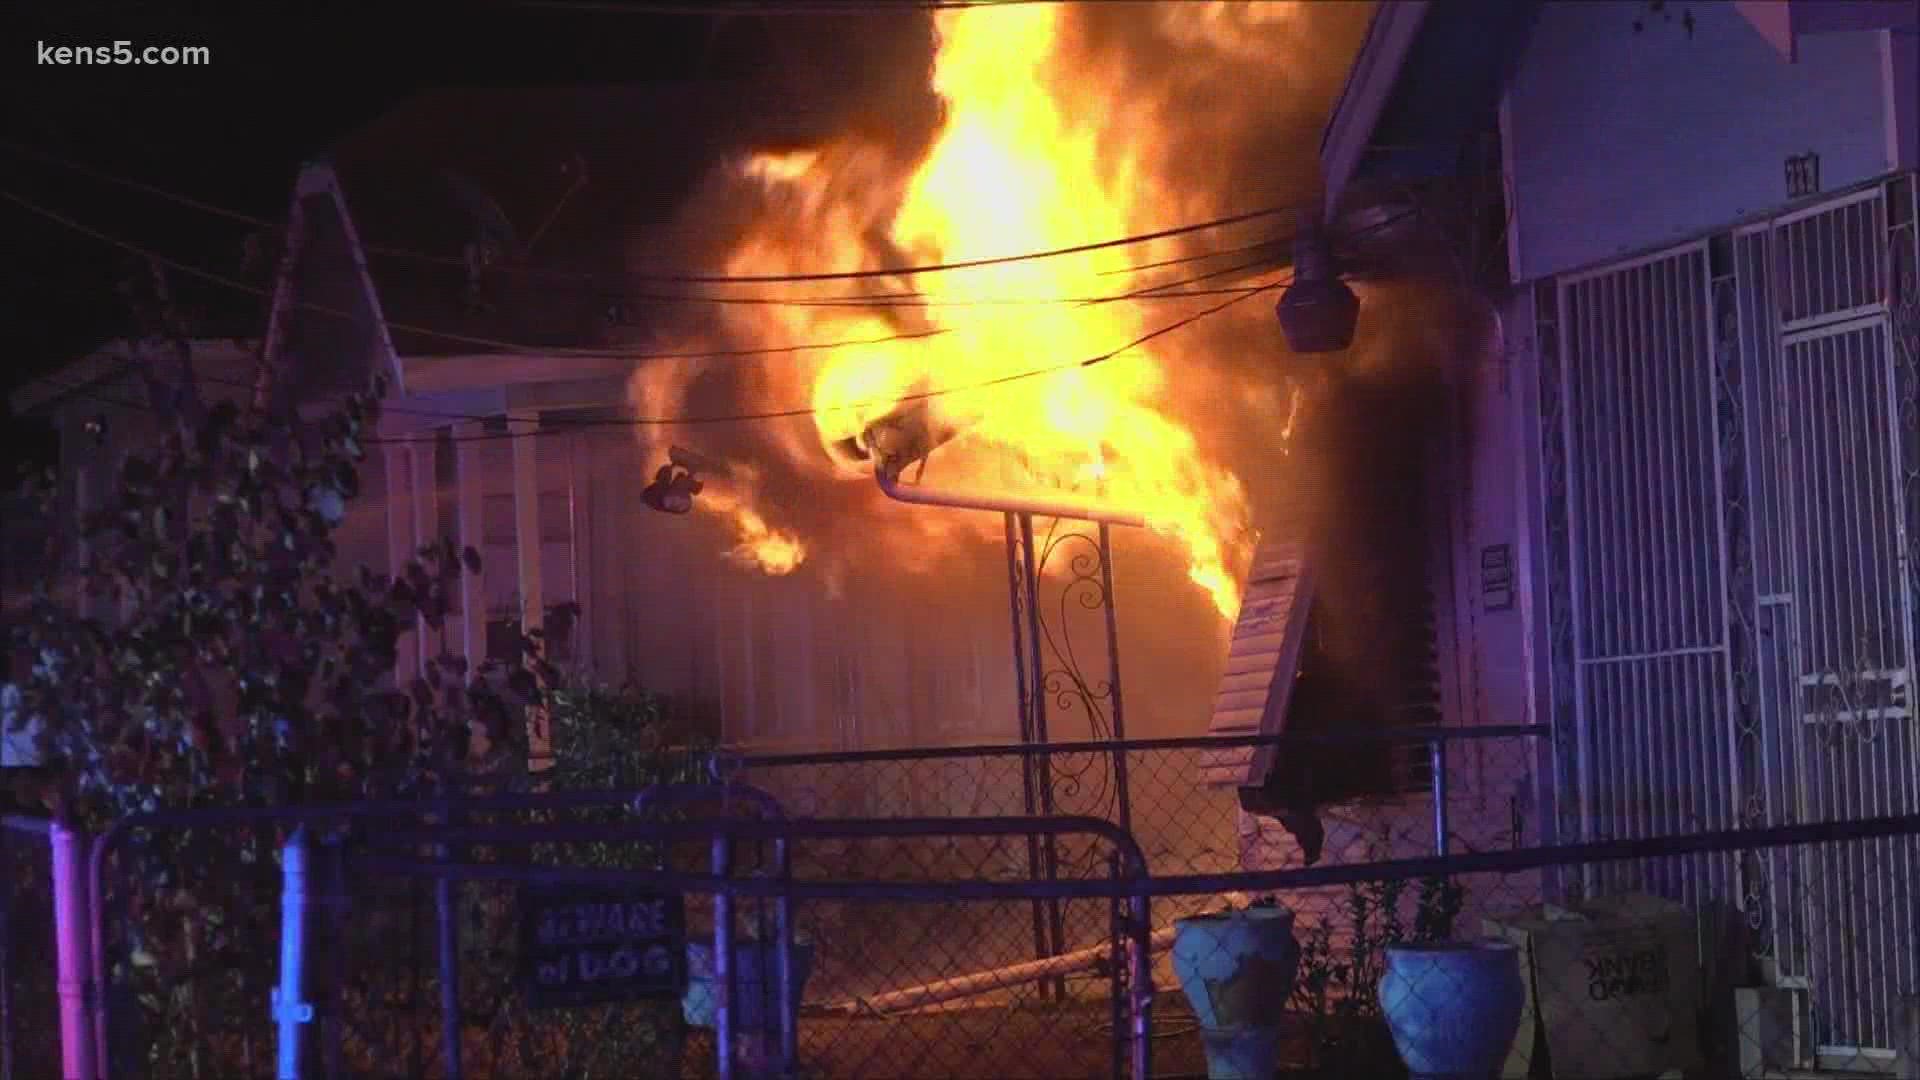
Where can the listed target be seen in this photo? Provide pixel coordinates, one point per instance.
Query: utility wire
(705, 279)
(443, 335)
(784, 7)
(471, 339)
(562, 426)
(907, 398)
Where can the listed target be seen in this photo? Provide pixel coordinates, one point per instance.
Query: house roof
(1262, 664)
(103, 376)
(1427, 76)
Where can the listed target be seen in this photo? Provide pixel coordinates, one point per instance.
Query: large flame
(1019, 165)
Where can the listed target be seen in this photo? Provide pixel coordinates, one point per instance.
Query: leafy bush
(189, 644)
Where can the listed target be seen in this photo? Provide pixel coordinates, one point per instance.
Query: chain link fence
(923, 947)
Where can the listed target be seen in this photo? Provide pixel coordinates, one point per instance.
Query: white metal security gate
(1738, 463)
(1835, 604)
(1650, 626)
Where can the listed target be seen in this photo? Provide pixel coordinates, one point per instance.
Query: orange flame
(1019, 165)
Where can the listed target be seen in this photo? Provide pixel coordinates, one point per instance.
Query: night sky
(286, 82)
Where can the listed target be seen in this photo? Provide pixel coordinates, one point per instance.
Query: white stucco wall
(1618, 141)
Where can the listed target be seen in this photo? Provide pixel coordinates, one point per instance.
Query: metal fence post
(291, 1010)
(1117, 957)
(723, 955)
(783, 930)
(1437, 755)
(1140, 935)
(78, 1050)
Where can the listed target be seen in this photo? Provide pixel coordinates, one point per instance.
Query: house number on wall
(1803, 175)
(1496, 577)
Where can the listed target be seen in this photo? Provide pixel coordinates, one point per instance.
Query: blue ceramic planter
(1453, 1009)
(1237, 969)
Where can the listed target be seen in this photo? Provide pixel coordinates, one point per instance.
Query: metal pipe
(1118, 948)
(1113, 679)
(723, 956)
(1479, 862)
(1473, 733)
(79, 1052)
(806, 828)
(27, 823)
(291, 1010)
(1437, 756)
(1074, 509)
(783, 931)
(941, 991)
(1141, 970)
(1018, 598)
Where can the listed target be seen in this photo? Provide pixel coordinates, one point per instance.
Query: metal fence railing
(607, 934)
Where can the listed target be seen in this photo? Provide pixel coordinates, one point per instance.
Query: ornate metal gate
(1729, 436)
(1833, 564)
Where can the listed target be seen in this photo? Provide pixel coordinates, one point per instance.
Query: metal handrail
(802, 829)
(1424, 734)
(725, 888)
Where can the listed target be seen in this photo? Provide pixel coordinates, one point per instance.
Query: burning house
(599, 304)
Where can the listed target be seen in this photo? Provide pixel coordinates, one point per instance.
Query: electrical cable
(907, 398)
(564, 425)
(203, 206)
(443, 335)
(784, 7)
(471, 339)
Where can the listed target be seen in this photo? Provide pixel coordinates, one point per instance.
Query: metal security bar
(1647, 566)
(1842, 715)
(1729, 443)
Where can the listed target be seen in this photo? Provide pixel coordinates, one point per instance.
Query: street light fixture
(1318, 312)
(674, 484)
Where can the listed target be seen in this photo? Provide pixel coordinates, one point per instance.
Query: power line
(565, 425)
(784, 7)
(967, 264)
(922, 395)
(710, 279)
(444, 335)
(469, 339)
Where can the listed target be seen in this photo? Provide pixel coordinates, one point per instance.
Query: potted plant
(1453, 1007)
(1236, 968)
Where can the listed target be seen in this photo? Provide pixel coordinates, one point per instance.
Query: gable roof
(325, 328)
(1426, 76)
